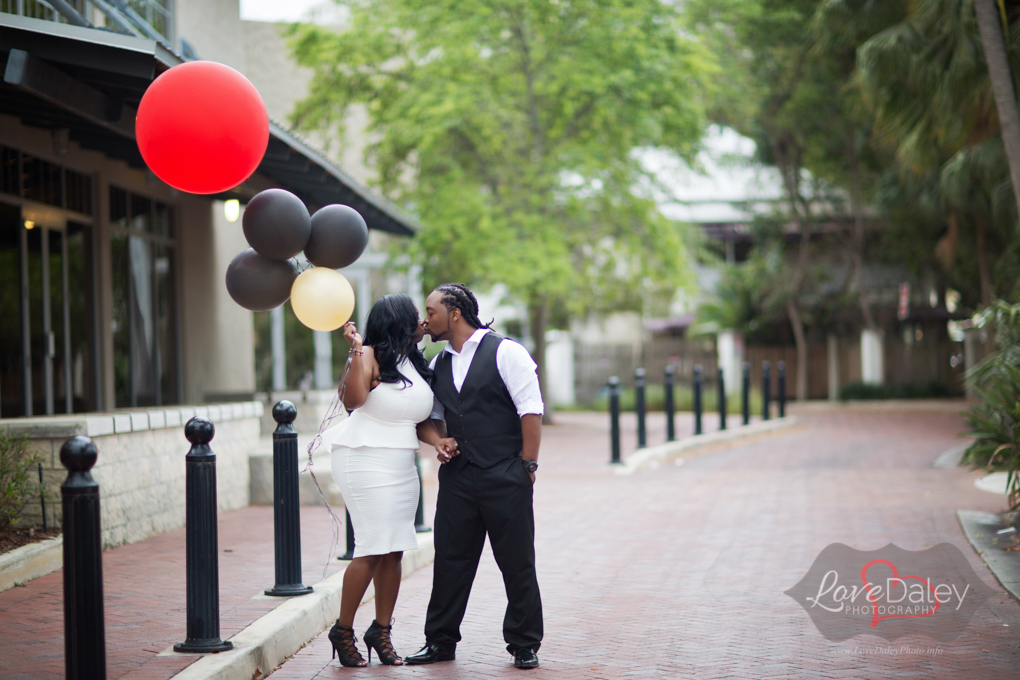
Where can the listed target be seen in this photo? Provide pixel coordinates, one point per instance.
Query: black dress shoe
(431, 653)
(525, 657)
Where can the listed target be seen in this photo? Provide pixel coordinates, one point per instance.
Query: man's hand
(447, 448)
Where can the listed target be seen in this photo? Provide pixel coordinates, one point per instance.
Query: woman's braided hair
(459, 296)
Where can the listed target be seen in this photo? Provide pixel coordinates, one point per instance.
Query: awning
(89, 81)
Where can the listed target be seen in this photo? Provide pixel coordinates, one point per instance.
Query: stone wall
(141, 468)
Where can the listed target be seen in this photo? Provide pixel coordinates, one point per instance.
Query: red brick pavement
(675, 572)
(680, 572)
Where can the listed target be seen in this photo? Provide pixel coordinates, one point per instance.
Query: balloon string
(335, 410)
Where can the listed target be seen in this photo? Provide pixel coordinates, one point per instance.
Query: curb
(31, 561)
(980, 528)
(655, 454)
(279, 634)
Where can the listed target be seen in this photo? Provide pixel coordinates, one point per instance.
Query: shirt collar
(475, 338)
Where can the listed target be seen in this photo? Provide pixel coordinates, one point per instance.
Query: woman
(373, 454)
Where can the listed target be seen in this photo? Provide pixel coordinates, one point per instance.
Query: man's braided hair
(459, 296)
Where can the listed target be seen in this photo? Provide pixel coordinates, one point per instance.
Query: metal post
(202, 543)
(419, 514)
(639, 407)
(614, 419)
(722, 400)
(286, 504)
(349, 554)
(782, 389)
(745, 394)
(697, 400)
(84, 633)
(766, 388)
(669, 404)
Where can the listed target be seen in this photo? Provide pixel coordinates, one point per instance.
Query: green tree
(511, 128)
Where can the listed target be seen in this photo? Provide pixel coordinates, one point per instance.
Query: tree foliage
(510, 128)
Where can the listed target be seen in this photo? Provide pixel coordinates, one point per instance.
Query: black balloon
(276, 224)
(258, 283)
(339, 236)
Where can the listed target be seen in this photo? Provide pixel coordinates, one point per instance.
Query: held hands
(447, 448)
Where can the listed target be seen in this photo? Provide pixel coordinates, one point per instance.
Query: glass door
(46, 361)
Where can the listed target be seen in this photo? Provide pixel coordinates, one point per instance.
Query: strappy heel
(342, 638)
(377, 637)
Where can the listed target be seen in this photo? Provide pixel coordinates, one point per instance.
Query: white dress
(373, 463)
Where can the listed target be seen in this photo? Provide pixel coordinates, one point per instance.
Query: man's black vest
(482, 416)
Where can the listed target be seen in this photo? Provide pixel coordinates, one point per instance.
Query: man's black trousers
(472, 502)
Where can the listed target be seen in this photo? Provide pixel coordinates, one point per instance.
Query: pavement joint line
(654, 454)
(279, 634)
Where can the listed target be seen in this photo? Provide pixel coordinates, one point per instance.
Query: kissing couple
(478, 404)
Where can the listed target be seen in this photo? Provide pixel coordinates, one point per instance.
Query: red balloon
(202, 127)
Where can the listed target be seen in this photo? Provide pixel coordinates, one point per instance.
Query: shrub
(865, 391)
(995, 420)
(17, 479)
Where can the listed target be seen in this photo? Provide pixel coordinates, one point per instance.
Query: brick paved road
(680, 572)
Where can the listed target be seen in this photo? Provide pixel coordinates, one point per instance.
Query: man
(487, 397)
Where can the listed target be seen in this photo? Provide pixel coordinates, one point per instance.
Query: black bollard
(782, 389)
(349, 554)
(697, 400)
(286, 504)
(766, 389)
(722, 401)
(614, 420)
(202, 543)
(419, 514)
(639, 407)
(84, 633)
(745, 394)
(670, 406)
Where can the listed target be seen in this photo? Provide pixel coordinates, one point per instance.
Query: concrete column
(279, 347)
(872, 364)
(414, 290)
(971, 342)
(364, 296)
(730, 351)
(833, 363)
(323, 359)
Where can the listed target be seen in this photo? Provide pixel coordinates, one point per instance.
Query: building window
(32, 178)
(143, 257)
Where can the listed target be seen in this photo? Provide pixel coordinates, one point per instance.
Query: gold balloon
(322, 299)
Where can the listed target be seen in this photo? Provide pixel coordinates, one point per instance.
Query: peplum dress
(372, 458)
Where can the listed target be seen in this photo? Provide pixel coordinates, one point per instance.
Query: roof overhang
(89, 81)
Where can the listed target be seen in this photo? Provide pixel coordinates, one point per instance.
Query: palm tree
(988, 14)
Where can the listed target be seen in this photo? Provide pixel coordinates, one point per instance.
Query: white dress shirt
(515, 366)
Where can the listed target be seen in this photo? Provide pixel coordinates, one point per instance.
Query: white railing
(151, 19)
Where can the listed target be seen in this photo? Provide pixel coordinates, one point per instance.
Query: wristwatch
(530, 465)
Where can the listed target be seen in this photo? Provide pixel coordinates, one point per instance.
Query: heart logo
(875, 618)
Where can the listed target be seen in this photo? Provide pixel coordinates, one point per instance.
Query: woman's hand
(352, 335)
(447, 449)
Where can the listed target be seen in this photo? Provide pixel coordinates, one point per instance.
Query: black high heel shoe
(342, 638)
(378, 638)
